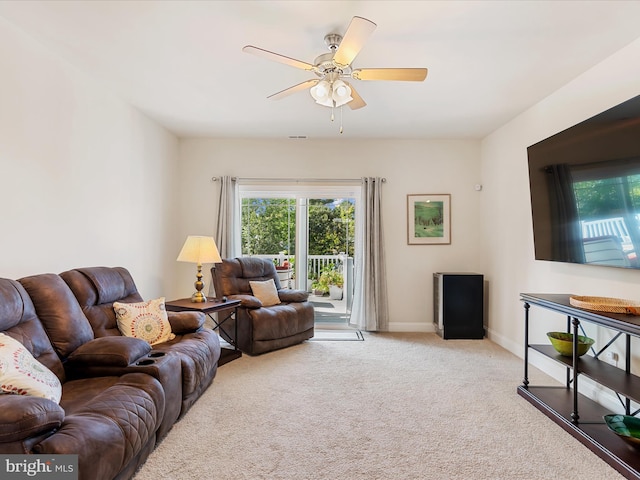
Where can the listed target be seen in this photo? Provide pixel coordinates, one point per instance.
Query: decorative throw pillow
(145, 320)
(265, 292)
(22, 374)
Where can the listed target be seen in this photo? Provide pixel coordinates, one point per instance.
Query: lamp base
(198, 297)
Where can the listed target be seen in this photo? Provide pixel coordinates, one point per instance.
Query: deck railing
(315, 265)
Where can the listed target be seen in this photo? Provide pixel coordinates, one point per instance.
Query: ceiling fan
(332, 88)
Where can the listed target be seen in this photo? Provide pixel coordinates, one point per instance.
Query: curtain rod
(295, 180)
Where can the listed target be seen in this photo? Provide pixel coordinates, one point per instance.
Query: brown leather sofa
(87, 356)
(97, 288)
(109, 421)
(120, 395)
(262, 328)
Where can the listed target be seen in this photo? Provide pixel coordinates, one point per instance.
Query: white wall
(508, 255)
(410, 167)
(85, 179)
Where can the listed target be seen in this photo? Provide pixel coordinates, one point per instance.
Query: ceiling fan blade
(402, 74)
(354, 38)
(296, 88)
(276, 57)
(357, 101)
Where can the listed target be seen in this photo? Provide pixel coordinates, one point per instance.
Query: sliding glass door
(309, 234)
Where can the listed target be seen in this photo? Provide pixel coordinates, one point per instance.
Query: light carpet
(396, 406)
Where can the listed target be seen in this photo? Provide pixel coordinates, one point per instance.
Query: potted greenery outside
(335, 282)
(319, 287)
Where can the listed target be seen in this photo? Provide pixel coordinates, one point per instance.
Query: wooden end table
(229, 309)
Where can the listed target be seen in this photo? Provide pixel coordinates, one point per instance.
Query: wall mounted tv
(585, 190)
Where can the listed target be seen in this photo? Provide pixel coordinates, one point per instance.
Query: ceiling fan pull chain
(332, 109)
(341, 106)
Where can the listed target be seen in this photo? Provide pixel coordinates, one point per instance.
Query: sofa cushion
(265, 292)
(22, 374)
(111, 284)
(59, 312)
(146, 320)
(84, 283)
(18, 320)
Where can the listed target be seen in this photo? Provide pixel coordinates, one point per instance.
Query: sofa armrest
(22, 417)
(247, 301)
(185, 322)
(288, 295)
(114, 351)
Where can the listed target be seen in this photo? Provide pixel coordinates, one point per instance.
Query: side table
(226, 309)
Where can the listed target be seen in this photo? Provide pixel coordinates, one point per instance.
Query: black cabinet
(458, 305)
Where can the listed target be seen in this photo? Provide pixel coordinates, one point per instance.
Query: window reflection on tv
(585, 190)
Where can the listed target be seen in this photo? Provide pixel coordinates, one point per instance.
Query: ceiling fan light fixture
(321, 93)
(341, 93)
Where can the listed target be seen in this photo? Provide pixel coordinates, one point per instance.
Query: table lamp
(198, 249)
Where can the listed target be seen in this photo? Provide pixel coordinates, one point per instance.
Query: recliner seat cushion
(108, 422)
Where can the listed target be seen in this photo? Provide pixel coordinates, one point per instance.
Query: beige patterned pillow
(22, 374)
(265, 292)
(145, 320)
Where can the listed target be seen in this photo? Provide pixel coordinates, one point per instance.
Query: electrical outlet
(612, 357)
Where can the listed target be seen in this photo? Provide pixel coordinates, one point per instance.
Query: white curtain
(370, 306)
(227, 228)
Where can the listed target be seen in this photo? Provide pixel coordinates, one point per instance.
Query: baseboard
(514, 347)
(405, 327)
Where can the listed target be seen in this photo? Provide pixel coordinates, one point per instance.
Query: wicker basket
(606, 304)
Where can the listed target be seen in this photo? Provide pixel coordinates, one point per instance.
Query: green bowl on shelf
(626, 427)
(563, 343)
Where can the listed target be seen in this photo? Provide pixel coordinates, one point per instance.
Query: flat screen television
(585, 190)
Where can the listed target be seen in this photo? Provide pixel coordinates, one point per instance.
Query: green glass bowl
(626, 427)
(563, 343)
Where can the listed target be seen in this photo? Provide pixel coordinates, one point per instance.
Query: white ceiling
(181, 61)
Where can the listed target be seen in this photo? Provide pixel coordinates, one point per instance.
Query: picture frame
(429, 219)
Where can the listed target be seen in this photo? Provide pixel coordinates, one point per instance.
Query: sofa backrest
(232, 276)
(96, 288)
(18, 319)
(59, 311)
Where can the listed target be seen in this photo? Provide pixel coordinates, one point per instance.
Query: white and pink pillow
(145, 320)
(22, 374)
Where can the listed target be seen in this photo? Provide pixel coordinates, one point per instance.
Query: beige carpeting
(396, 406)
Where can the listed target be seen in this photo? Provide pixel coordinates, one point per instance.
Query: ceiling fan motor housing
(333, 41)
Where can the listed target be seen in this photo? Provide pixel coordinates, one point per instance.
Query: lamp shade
(199, 249)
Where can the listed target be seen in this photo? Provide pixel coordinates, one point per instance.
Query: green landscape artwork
(428, 219)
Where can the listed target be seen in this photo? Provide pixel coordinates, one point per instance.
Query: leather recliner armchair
(261, 329)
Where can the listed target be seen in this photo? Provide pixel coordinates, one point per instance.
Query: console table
(228, 309)
(574, 412)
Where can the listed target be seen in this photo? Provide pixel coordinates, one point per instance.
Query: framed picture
(429, 219)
